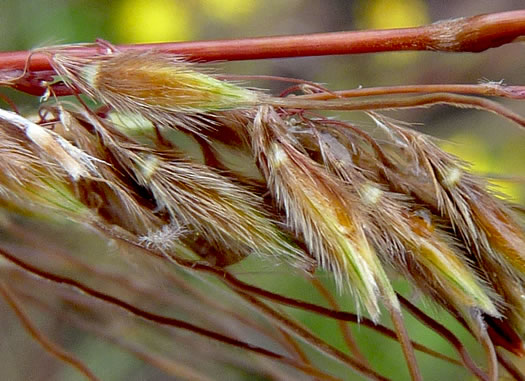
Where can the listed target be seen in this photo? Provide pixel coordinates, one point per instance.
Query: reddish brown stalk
(46, 343)
(235, 283)
(295, 347)
(510, 367)
(468, 34)
(404, 340)
(167, 365)
(243, 287)
(447, 335)
(484, 89)
(317, 343)
(343, 326)
(24, 235)
(309, 102)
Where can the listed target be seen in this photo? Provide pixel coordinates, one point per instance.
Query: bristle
(163, 239)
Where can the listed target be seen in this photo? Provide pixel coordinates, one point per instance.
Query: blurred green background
(491, 144)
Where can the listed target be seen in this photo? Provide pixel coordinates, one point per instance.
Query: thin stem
(494, 89)
(480, 332)
(302, 332)
(510, 367)
(46, 343)
(447, 335)
(296, 348)
(309, 102)
(168, 365)
(343, 326)
(235, 283)
(404, 340)
(312, 339)
(160, 319)
(25, 235)
(492, 360)
(469, 34)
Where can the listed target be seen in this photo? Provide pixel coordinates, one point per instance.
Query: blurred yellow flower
(228, 10)
(152, 21)
(382, 14)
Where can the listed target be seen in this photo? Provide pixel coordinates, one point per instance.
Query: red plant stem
(483, 89)
(466, 34)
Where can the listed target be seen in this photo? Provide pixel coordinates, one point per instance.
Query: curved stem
(235, 283)
(308, 102)
(479, 330)
(47, 344)
(447, 335)
(343, 326)
(404, 340)
(315, 341)
(168, 365)
(163, 320)
(488, 89)
(510, 367)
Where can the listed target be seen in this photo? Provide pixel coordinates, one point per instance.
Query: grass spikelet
(111, 194)
(320, 211)
(483, 221)
(480, 221)
(212, 205)
(401, 234)
(75, 162)
(195, 196)
(163, 88)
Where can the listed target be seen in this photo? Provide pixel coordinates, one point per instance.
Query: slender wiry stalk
(39, 337)
(406, 345)
(345, 329)
(510, 367)
(168, 321)
(233, 282)
(447, 335)
(167, 365)
(305, 335)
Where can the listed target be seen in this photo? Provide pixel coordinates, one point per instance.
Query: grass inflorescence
(202, 173)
